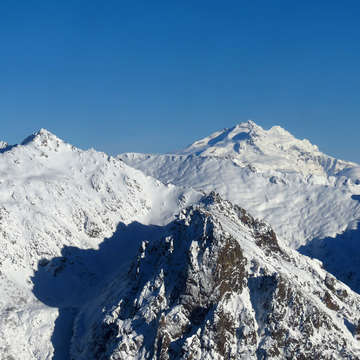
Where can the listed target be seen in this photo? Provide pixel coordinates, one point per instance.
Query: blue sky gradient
(153, 76)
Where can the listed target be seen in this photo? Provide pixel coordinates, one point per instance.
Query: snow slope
(219, 285)
(311, 199)
(302, 192)
(55, 197)
(273, 149)
(70, 220)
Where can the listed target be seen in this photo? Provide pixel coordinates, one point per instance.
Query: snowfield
(54, 196)
(72, 223)
(302, 192)
(305, 195)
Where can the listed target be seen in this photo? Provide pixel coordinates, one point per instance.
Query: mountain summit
(225, 139)
(42, 137)
(303, 193)
(210, 280)
(273, 149)
(218, 285)
(57, 198)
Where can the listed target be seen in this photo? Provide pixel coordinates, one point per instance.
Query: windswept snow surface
(303, 193)
(54, 196)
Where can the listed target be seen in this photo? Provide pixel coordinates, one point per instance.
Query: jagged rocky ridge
(312, 200)
(219, 285)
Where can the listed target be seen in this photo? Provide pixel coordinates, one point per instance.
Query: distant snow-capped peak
(267, 172)
(275, 149)
(234, 141)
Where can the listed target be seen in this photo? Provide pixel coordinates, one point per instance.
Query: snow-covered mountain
(275, 150)
(248, 144)
(218, 285)
(55, 198)
(71, 221)
(304, 194)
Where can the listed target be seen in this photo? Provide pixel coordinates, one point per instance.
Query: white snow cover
(303, 193)
(71, 219)
(273, 149)
(56, 198)
(218, 285)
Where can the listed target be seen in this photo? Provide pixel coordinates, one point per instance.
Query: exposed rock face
(218, 285)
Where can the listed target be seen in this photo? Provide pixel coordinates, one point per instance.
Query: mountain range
(309, 198)
(143, 256)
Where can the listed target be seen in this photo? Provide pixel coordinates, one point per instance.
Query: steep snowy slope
(54, 196)
(218, 285)
(302, 192)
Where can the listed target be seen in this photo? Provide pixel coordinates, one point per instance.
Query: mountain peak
(43, 139)
(3, 144)
(224, 142)
(40, 136)
(230, 141)
(212, 287)
(248, 124)
(249, 127)
(275, 149)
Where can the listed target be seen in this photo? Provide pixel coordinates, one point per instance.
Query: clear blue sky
(153, 76)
